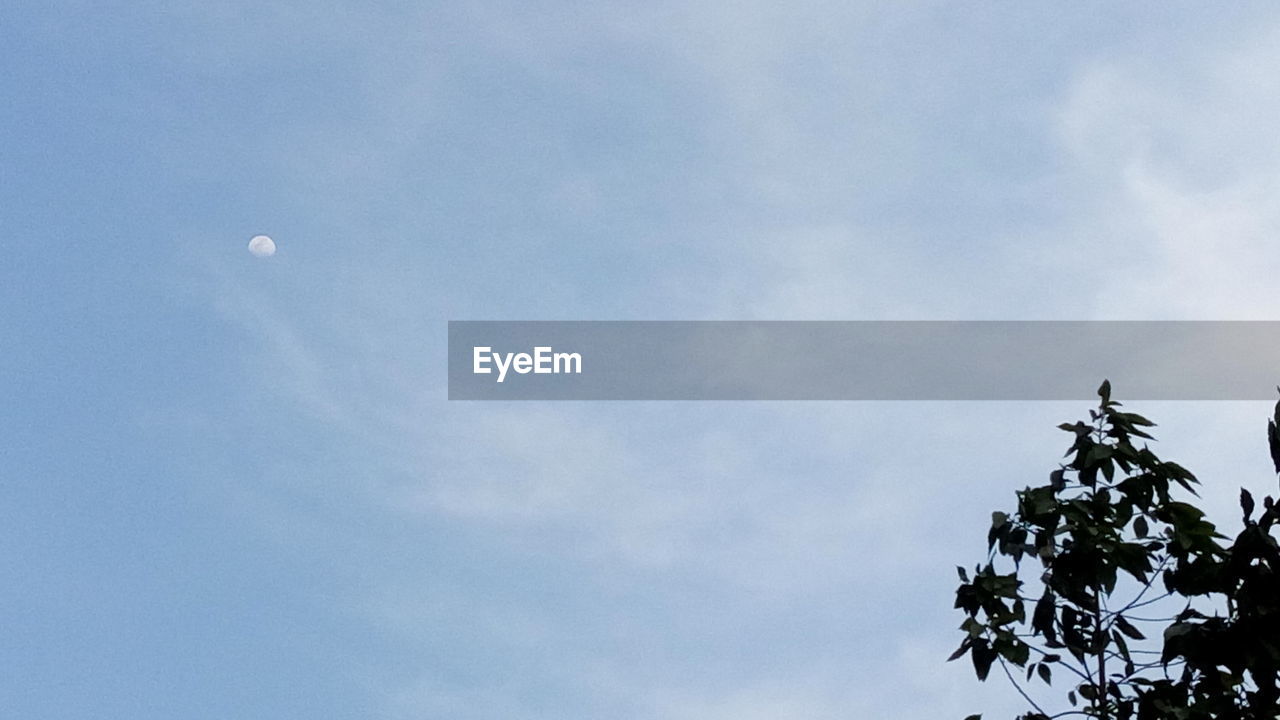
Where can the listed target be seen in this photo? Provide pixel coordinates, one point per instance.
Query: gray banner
(862, 360)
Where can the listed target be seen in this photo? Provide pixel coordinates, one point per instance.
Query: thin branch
(1062, 662)
(1016, 686)
(1134, 605)
(1149, 619)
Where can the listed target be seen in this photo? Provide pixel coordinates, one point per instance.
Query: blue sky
(232, 487)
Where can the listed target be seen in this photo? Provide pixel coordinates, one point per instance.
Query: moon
(262, 246)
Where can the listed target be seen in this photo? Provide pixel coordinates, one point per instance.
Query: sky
(232, 486)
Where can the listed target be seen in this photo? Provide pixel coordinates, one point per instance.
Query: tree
(1136, 600)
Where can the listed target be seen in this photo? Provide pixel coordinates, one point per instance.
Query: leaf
(1135, 419)
(1273, 440)
(1042, 616)
(983, 655)
(999, 521)
(1045, 675)
(974, 717)
(1018, 653)
(1140, 527)
(1104, 391)
(1246, 503)
(1120, 642)
(1096, 454)
(1133, 559)
(1128, 629)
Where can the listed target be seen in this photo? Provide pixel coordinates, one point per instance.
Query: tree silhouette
(1135, 601)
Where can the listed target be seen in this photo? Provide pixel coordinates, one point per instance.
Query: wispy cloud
(673, 534)
(1177, 181)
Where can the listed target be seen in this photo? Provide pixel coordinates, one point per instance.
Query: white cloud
(1179, 182)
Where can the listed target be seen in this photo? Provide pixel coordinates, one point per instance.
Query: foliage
(1114, 539)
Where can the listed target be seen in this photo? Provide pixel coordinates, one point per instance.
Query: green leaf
(1104, 391)
(1044, 673)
